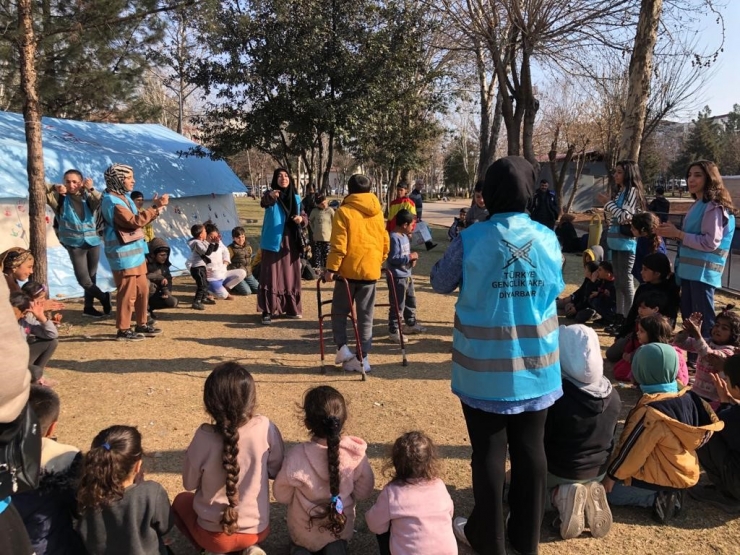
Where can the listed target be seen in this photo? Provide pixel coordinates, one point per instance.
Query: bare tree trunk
(641, 70)
(34, 145)
(531, 105)
(580, 164)
(329, 161)
(489, 130)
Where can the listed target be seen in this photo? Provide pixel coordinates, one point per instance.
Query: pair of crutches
(393, 303)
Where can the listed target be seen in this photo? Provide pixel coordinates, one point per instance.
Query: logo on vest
(518, 253)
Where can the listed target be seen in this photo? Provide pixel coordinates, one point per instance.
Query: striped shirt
(629, 207)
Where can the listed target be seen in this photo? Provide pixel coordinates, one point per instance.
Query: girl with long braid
(228, 464)
(321, 479)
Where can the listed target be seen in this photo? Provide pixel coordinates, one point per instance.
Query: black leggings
(489, 436)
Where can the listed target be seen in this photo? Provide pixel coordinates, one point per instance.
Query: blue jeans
(631, 496)
(247, 286)
(697, 296)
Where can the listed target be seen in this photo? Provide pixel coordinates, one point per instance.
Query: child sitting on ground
(322, 479)
(228, 464)
(359, 245)
(720, 457)
(576, 305)
(159, 276)
(240, 253)
(652, 302)
(725, 336)
(458, 224)
(652, 328)
(200, 251)
(117, 506)
(604, 299)
(320, 222)
(400, 263)
(220, 279)
(579, 435)
(657, 275)
(40, 333)
(47, 511)
(655, 459)
(413, 513)
(37, 292)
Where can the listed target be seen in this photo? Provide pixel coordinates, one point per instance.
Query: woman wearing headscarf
(655, 458)
(505, 361)
(280, 270)
(126, 250)
(579, 435)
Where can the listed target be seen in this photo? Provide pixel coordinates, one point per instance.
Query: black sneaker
(667, 506)
(208, 301)
(128, 335)
(107, 308)
(266, 320)
(197, 306)
(91, 312)
(150, 321)
(430, 247)
(147, 330)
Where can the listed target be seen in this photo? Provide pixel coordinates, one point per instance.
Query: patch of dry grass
(157, 386)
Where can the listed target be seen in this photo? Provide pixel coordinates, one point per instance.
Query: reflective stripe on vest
(120, 256)
(74, 232)
(703, 266)
(505, 339)
(615, 240)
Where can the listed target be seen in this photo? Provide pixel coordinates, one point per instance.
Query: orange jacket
(359, 241)
(658, 449)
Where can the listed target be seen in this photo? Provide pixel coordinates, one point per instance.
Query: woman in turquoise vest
(706, 239)
(630, 200)
(74, 203)
(126, 253)
(280, 268)
(505, 358)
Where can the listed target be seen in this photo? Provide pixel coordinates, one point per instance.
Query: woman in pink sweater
(321, 479)
(413, 513)
(228, 464)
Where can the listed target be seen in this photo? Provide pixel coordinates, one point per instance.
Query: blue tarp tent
(200, 188)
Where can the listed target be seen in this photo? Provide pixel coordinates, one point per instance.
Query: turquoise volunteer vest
(615, 240)
(120, 257)
(273, 226)
(74, 232)
(505, 339)
(696, 265)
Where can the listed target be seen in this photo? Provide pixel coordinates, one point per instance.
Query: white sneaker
(366, 365)
(352, 365)
(343, 355)
(458, 528)
(254, 550)
(416, 328)
(598, 513)
(570, 501)
(395, 337)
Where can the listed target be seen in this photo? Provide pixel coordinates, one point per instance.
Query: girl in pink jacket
(321, 479)
(413, 513)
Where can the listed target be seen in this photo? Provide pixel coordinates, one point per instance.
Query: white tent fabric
(200, 188)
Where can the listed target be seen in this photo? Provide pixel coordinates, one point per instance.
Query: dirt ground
(157, 385)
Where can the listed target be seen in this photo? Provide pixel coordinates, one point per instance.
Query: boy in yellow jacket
(359, 245)
(655, 458)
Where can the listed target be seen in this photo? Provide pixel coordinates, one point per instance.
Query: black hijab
(287, 195)
(509, 185)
